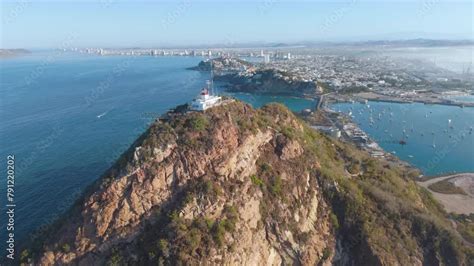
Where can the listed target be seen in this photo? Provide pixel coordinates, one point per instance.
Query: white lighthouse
(206, 98)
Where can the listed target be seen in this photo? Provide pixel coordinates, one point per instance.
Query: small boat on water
(101, 115)
(402, 142)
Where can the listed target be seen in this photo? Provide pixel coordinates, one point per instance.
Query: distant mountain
(6, 53)
(420, 42)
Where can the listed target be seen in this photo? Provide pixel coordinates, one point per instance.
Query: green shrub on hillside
(199, 122)
(256, 181)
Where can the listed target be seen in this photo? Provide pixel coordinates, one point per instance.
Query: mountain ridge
(238, 185)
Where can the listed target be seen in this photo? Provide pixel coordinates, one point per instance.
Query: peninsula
(237, 185)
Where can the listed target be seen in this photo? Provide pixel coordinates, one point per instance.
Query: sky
(120, 23)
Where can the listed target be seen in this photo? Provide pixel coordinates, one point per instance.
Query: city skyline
(47, 24)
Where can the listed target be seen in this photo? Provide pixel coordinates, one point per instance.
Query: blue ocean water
(439, 138)
(464, 98)
(258, 100)
(67, 117)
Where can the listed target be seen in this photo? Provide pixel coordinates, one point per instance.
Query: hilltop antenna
(212, 79)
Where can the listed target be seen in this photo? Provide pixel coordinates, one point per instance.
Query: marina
(435, 138)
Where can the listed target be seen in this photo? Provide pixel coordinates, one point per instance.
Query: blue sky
(116, 23)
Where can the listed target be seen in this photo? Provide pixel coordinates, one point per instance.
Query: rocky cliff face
(240, 186)
(270, 81)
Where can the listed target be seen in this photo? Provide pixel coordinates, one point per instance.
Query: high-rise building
(266, 58)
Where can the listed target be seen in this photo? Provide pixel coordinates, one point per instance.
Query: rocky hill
(241, 186)
(270, 81)
(241, 76)
(222, 64)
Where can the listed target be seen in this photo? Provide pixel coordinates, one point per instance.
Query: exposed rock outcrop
(239, 186)
(270, 81)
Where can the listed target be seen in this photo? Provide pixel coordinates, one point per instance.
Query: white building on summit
(205, 100)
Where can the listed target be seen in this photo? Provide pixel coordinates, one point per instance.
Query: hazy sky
(115, 23)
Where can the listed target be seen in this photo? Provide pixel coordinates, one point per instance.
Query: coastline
(431, 99)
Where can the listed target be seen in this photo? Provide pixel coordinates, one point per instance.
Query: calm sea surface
(293, 103)
(67, 117)
(439, 138)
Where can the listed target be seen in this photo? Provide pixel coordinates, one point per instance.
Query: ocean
(439, 138)
(66, 118)
(258, 100)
